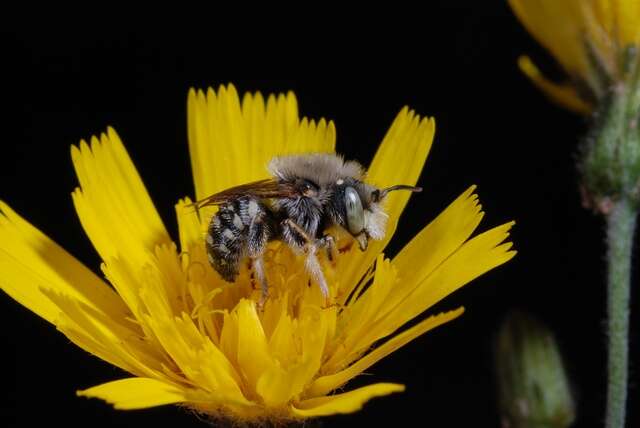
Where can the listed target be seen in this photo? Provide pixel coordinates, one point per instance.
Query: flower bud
(532, 385)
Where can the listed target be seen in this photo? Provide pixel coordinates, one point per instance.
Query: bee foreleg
(329, 243)
(295, 235)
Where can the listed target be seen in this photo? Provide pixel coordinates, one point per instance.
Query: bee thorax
(304, 212)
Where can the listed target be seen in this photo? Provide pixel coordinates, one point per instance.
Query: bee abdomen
(241, 227)
(225, 241)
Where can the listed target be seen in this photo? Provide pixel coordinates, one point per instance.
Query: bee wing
(262, 189)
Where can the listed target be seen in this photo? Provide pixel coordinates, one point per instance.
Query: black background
(61, 83)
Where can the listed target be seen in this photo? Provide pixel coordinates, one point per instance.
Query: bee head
(364, 217)
(338, 187)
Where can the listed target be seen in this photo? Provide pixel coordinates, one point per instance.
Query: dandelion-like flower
(189, 338)
(595, 41)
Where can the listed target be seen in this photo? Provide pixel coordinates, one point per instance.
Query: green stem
(621, 223)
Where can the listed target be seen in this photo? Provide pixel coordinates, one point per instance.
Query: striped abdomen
(240, 228)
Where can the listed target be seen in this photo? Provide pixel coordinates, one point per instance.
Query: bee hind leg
(258, 269)
(260, 231)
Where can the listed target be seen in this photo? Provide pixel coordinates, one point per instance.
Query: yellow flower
(595, 41)
(187, 337)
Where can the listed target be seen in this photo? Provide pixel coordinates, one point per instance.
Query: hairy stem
(621, 223)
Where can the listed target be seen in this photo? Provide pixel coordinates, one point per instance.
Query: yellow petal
(202, 362)
(229, 337)
(231, 143)
(564, 95)
(31, 262)
(474, 258)
(346, 402)
(253, 349)
(121, 345)
(363, 320)
(627, 20)
(286, 379)
(357, 317)
(434, 244)
(192, 351)
(136, 393)
(558, 26)
(325, 384)
(407, 143)
(611, 27)
(277, 386)
(437, 241)
(188, 225)
(282, 339)
(112, 202)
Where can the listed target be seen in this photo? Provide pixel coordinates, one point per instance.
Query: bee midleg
(313, 267)
(296, 237)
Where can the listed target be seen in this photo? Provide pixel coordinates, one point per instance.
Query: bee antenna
(379, 195)
(195, 206)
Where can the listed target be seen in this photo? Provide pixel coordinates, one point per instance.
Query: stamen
(205, 301)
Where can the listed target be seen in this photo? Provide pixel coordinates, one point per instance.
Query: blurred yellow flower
(595, 41)
(189, 338)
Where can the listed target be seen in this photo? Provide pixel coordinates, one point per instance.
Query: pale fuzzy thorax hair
(321, 168)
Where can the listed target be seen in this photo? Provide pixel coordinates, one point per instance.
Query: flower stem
(621, 223)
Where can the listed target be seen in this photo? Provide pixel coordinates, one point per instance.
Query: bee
(306, 195)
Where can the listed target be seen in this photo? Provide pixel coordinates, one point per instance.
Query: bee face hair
(339, 184)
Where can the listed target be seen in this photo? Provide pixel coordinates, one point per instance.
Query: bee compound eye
(355, 212)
